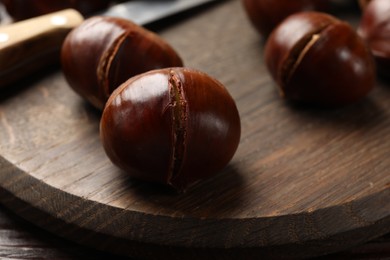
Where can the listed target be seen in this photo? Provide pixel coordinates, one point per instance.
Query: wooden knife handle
(31, 45)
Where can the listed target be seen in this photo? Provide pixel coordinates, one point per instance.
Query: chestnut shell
(316, 58)
(103, 52)
(374, 28)
(173, 126)
(265, 15)
(23, 9)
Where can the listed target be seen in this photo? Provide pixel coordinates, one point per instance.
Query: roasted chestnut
(23, 9)
(316, 58)
(173, 126)
(103, 52)
(375, 29)
(265, 15)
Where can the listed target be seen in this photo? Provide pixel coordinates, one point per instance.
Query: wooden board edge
(89, 228)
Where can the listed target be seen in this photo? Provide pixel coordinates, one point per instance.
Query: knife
(31, 45)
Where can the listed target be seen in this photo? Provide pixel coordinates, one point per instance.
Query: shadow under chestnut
(202, 199)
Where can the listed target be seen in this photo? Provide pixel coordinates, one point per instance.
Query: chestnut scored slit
(105, 63)
(174, 126)
(297, 56)
(289, 42)
(179, 119)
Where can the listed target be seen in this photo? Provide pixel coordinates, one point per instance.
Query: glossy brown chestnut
(173, 126)
(316, 58)
(265, 15)
(23, 9)
(375, 29)
(103, 52)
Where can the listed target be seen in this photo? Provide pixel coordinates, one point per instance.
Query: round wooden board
(304, 181)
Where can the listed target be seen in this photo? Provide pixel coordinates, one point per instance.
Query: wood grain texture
(21, 240)
(303, 182)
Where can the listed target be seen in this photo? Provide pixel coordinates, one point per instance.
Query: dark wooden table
(20, 239)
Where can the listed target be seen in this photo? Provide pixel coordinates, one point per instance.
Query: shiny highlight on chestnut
(174, 126)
